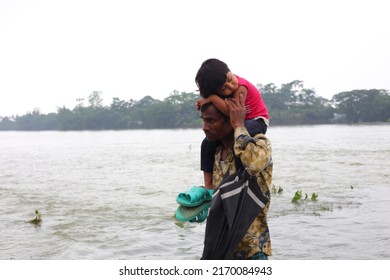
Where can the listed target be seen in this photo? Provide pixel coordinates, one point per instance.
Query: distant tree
(8, 123)
(68, 119)
(291, 104)
(118, 105)
(183, 106)
(273, 97)
(146, 101)
(95, 99)
(363, 105)
(294, 104)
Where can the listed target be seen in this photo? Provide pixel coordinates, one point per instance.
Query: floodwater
(111, 194)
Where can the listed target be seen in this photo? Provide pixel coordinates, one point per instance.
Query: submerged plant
(37, 220)
(297, 196)
(276, 190)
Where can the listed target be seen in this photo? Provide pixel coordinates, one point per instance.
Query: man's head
(215, 77)
(216, 125)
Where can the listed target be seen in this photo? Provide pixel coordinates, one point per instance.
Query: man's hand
(237, 111)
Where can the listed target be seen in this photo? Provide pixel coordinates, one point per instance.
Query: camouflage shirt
(258, 161)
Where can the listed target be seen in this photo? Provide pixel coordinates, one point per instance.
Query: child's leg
(256, 126)
(208, 180)
(207, 155)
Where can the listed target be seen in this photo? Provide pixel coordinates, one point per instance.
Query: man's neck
(227, 142)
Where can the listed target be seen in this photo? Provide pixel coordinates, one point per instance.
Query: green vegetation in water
(276, 190)
(299, 197)
(314, 196)
(302, 200)
(37, 220)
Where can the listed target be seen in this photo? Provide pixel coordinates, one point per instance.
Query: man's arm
(255, 153)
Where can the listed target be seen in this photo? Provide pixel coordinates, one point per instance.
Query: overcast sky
(53, 52)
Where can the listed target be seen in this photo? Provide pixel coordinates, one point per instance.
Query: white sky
(53, 52)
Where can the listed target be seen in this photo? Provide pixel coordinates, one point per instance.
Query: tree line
(292, 103)
(289, 104)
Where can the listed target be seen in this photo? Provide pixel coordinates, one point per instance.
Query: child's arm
(216, 100)
(220, 102)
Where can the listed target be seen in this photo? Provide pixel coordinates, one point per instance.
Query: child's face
(230, 86)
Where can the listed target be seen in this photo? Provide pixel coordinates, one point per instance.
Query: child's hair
(211, 76)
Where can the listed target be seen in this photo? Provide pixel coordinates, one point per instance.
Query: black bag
(236, 203)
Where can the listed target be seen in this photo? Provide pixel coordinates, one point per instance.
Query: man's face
(215, 125)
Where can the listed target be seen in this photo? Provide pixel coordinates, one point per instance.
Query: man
(237, 226)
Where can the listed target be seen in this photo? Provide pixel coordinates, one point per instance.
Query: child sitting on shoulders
(216, 82)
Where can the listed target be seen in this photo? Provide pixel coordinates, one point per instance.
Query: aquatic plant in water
(298, 196)
(275, 190)
(37, 220)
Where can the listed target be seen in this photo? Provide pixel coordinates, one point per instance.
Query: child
(216, 82)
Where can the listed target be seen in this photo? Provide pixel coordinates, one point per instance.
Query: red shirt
(254, 103)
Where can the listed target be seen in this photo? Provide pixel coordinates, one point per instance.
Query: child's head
(212, 76)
